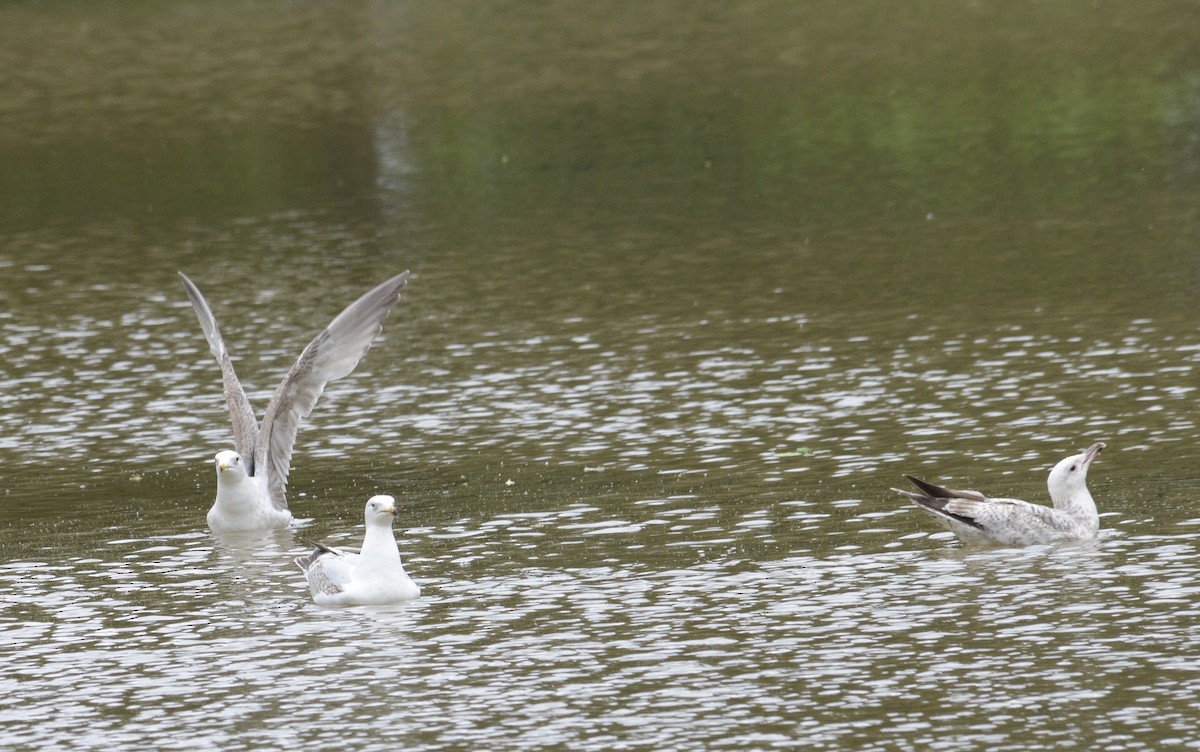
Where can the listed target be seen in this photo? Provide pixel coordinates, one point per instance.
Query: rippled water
(569, 628)
(691, 289)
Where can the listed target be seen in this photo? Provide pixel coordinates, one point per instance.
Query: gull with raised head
(981, 520)
(374, 576)
(252, 478)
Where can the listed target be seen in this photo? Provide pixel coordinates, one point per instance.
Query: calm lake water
(692, 286)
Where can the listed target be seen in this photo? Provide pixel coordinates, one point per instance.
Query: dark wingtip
(929, 489)
(319, 550)
(938, 506)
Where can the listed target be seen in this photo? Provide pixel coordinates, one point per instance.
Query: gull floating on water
(252, 479)
(374, 576)
(980, 520)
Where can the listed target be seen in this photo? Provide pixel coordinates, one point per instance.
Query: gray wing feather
(318, 578)
(334, 353)
(1000, 520)
(319, 583)
(326, 569)
(319, 550)
(940, 492)
(245, 425)
(1018, 516)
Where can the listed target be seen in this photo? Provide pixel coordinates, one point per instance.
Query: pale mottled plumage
(252, 479)
(980, 520)
(373, 576)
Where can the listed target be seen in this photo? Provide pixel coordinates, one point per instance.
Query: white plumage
(373, 576)
(980, 520)
(252, 479)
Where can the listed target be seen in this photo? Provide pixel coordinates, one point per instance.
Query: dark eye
(1072, 468)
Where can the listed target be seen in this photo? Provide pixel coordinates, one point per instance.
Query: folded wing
(327, 569)
(978, 517)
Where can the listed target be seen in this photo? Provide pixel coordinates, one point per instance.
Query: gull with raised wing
(252, 479)
(981, 520)
(373, 576)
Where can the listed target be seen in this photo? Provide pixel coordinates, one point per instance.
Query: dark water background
(692, 286)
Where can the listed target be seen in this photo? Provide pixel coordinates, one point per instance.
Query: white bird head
(1069, 477)
(380, 510)
(229, 466)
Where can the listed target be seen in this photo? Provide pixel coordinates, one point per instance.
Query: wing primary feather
(241, 414)
(940, 492)
(935, 498)
(939, 506)
(333, 354)
(319, 550)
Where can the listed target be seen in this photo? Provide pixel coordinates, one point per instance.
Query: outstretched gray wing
(333, 354)
(245, 425)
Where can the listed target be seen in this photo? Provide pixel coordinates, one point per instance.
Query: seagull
(374, 576)
(980, 520)
(252, 478)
